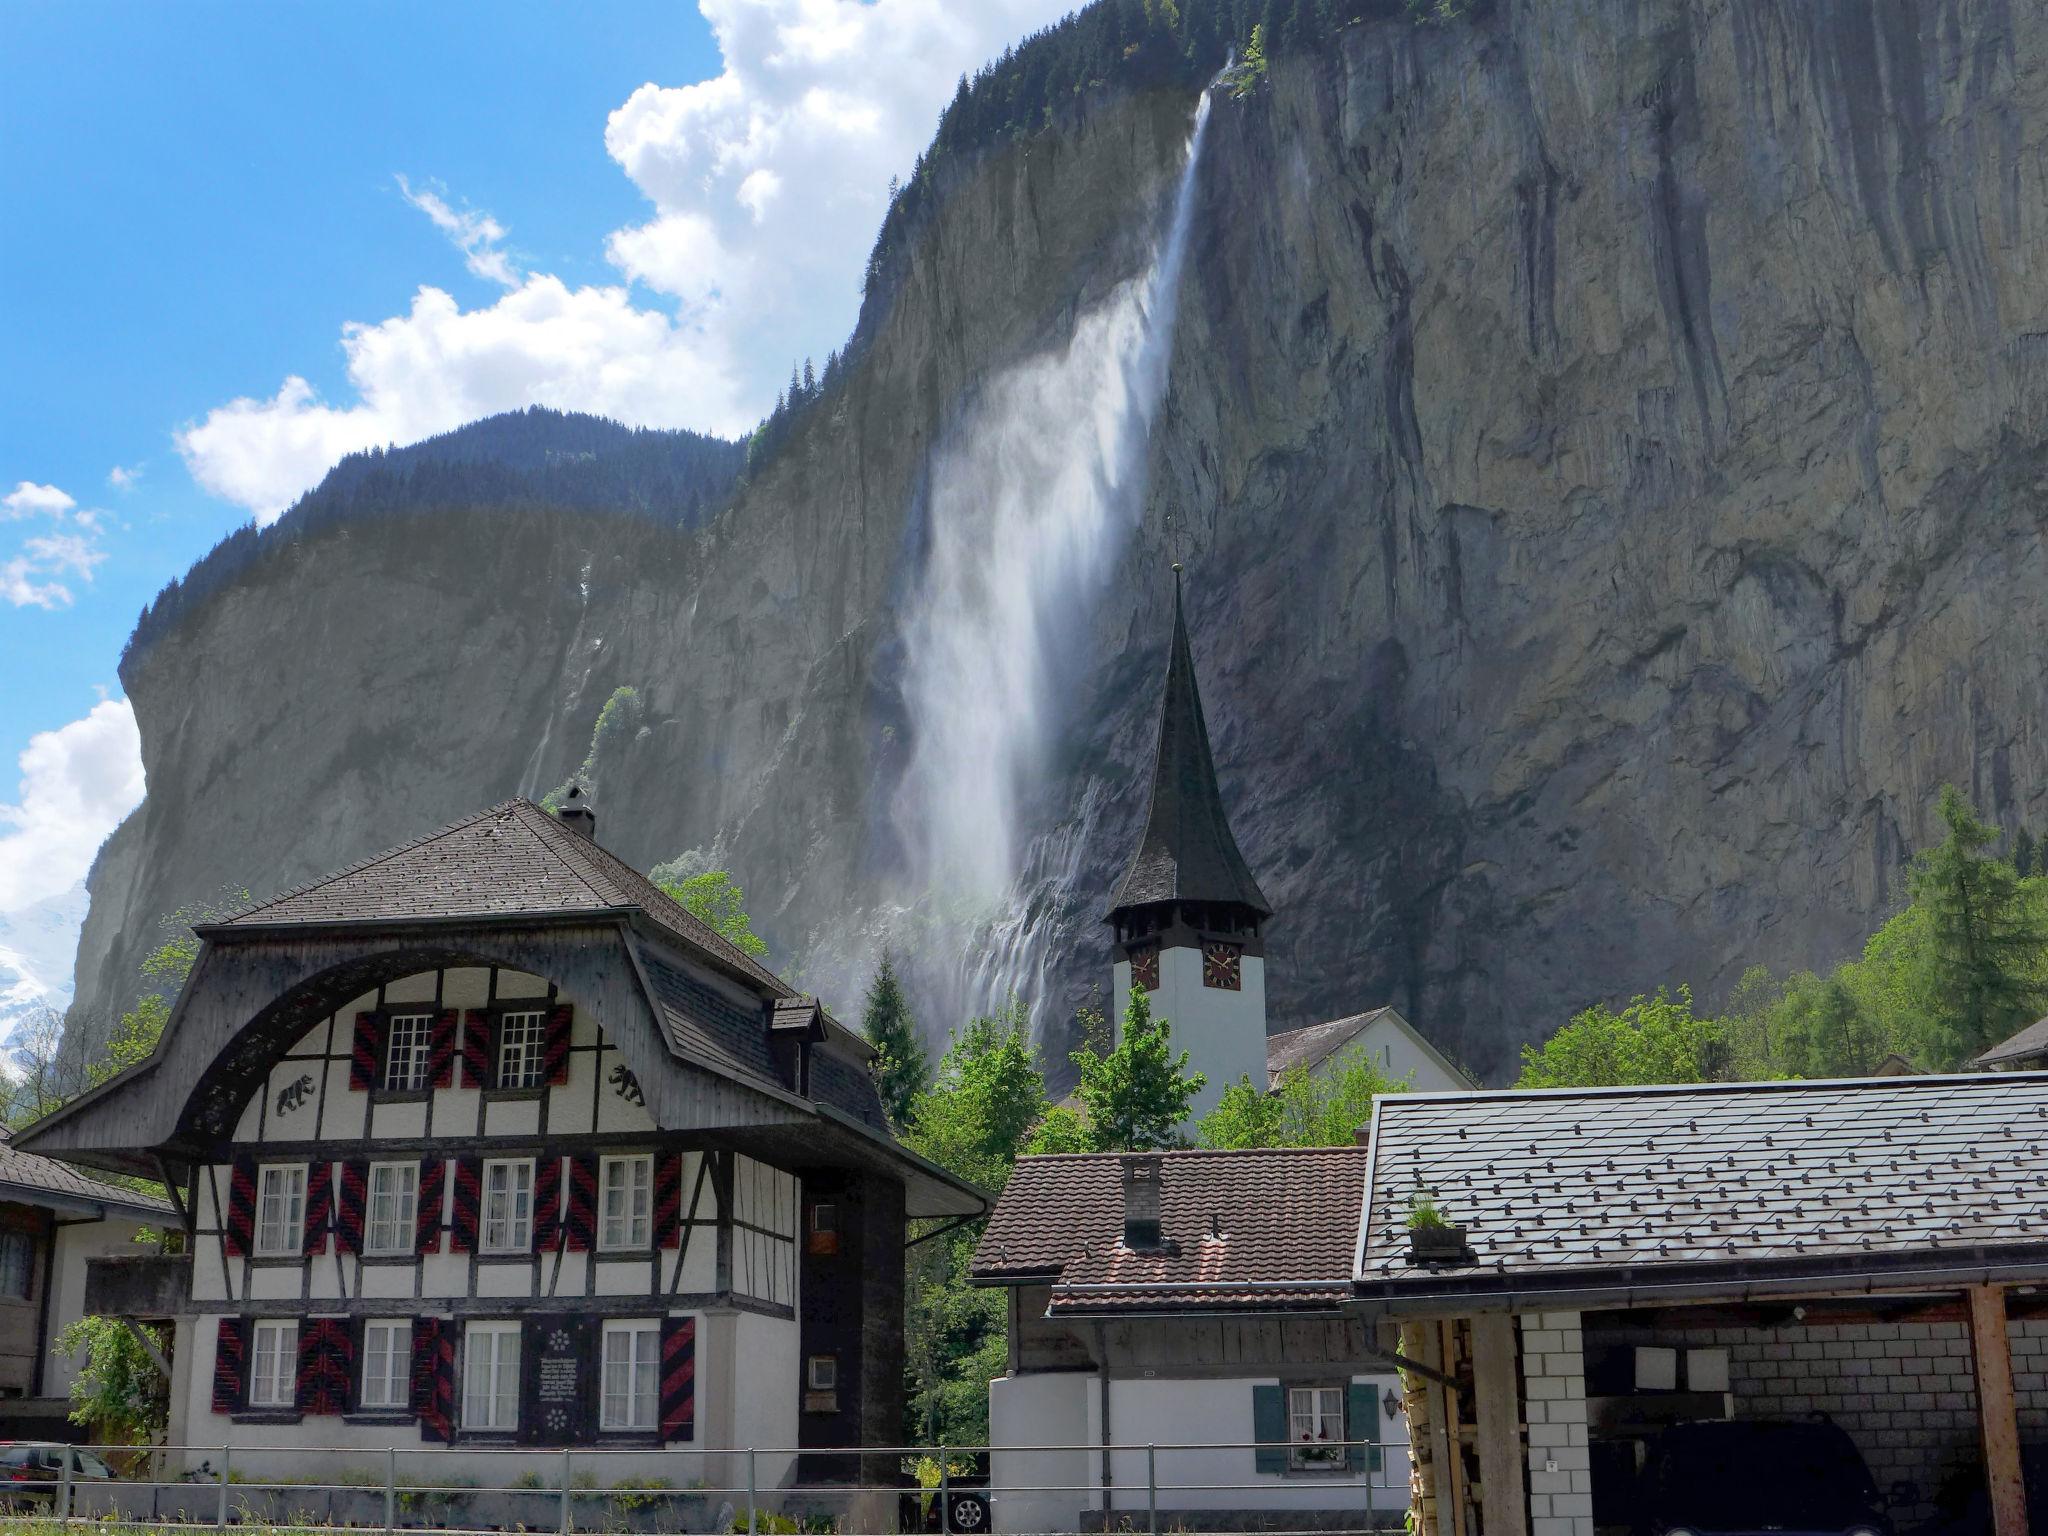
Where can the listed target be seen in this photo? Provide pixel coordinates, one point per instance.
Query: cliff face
(1606, 441)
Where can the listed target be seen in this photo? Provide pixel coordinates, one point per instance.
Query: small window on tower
(1223, 965)
(1145, 966)
(824, 1228)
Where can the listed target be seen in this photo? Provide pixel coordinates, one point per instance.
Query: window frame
(639, 1230)
(286, 1367)
(830, 1373)
(1318, 1392)
(27, 1239)
(633, 1329)
(428, 1015)
(406, 1238)
(294, 1246)
(484, 1246)
(536, 1079)
(496, 1328)
(398, 1367)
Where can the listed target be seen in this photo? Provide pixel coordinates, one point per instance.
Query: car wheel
(969, 1513)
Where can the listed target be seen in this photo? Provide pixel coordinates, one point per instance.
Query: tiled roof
(1253, 1229)
(1313, 1043)
(2029, 1042)
(1564, 1187)
(23, 1175)
(707, 1026)
(513, 858)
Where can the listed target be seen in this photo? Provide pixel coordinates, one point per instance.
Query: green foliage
(984, 1100)
(133, 1039)
(1250, 71)
(713, 897)
(956, 1341)
(1423, 1214)
(1064, 1129)
(1308, 1109)
(902, 1069)
(1653, 1040)
(1986, 938)
(2024, 850)
(120, 1396)
(1138, 1094)
(618, 722)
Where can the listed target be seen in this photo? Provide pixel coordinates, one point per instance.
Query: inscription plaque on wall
(556, 1383)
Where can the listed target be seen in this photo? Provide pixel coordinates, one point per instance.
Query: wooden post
(1450, 1423)
(1497, 1389)
(1997, 1415)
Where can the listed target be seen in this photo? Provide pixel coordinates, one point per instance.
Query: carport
(1864, 1252)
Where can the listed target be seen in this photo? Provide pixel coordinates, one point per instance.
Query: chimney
(577, 815)
(1141, 1200)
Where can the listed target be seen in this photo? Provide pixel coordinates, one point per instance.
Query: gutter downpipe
(1102, 1377)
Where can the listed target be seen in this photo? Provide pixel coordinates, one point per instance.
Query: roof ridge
(373, 860)
(1919, 1081)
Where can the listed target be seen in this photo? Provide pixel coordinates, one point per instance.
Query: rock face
(1605, 438)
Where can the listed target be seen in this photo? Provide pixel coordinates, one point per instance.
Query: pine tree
(1987, 942)
(2024, 853)
(1137, 1095)
(902, 1069)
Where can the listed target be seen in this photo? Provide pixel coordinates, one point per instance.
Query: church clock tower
(1187, 914)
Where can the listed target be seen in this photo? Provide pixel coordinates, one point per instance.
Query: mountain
(36, 948)
(1605, 444)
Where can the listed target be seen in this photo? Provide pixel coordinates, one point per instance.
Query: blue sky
(244, 239)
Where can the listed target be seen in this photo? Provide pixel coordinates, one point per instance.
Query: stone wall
(1554, 1390)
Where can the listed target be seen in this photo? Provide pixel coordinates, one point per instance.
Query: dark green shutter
(1269, 1428)
(1362, 1422)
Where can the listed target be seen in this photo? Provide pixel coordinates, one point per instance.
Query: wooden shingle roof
(27, 1178)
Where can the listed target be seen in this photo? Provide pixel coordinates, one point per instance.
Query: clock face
(1223, 965)
(1145, 966)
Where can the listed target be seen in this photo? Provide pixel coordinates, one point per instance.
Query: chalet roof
(1187, 852)
(1604, 1191)
(33, 1180)
(512, 859)
(1285, 1222)
(2024, 1046)
(1313, 1044)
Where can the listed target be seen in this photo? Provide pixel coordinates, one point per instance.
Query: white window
(394, 1201)
(387, 1363)
(821, 1373)
(632, 1375)
(17, 1265)
(628, 1202)
(490, 1381)
(521, 1040)
(1315, 1425)
(274, 1369)
(508, 1206)
(281, 1211)
(406, 1045)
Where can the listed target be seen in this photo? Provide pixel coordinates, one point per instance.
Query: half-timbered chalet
(487, 1141)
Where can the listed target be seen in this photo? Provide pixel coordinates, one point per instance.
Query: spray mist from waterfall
(1031, 500)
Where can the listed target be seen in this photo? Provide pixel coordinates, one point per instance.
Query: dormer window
(408, 1046)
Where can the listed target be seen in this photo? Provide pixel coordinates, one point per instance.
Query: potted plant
(1431, 1239)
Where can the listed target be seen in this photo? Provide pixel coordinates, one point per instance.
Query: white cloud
(767, 184)
(477, 235)
(123, 479)
(31, 500)
(77, 782)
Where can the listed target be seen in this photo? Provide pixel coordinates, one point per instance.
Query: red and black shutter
(476, 1047)
(324, 1366)
(319, 1205)
(678, 1378)
(368, 1052)
(433, 1377)
(555, 1055)
(427, 1219)
(547, 1205)
(582, 1204)
(238, 1234)
(229, 1379)
(441, 1050)
(349, 1208)
(468, 1205)
(668, 1199)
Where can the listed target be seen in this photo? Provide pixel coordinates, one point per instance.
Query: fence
(757, 1490)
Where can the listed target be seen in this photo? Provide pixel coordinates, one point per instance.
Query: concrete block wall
(2030, 1376)
(1554, 1396)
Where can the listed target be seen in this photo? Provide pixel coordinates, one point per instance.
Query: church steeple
(1187, 912)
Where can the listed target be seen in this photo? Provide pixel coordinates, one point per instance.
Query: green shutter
(1362, 1422)
(1269, 1428)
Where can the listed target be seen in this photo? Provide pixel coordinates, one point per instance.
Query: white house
(1381, 1036)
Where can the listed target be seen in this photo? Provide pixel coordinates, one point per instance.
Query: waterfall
(1030, 501)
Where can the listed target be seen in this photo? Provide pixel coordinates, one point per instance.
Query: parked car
(1759, 1477)
(32, 1474)
(965, 1512)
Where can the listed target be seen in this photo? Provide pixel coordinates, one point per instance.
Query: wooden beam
(1497, 1391)
(1997, 1414)
(156, 1356)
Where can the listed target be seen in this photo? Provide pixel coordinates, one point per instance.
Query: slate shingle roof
(23, 1176)
(1187, 852)
(1285, 1224)
(1558, 1188)
(513, 858)
(2028, 1043)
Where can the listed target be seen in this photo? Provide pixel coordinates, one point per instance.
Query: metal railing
(1117, 1487)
